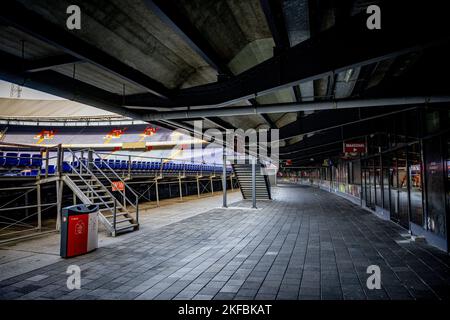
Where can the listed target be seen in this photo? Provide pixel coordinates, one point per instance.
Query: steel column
(39, 208)
(198, 187)
(253, 184)
(224, 179)
(181, 189)
(157, 192)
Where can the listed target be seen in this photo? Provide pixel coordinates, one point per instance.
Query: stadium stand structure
(116, 179)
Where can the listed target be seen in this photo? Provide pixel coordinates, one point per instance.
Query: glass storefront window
(435, 186)
(393, 182)
(403, 202)
(377, 177)
(387, 165)
(415, 182)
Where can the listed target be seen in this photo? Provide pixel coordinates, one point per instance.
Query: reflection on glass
(434, 172)
(415, 182)
(402, 189)
(386, 189)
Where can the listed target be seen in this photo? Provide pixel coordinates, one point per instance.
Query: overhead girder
(349, 44)
(11, 69)
(18, 16)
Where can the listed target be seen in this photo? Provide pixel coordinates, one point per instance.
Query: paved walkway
(306, 244)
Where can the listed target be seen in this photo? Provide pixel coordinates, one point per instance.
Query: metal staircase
(87, 187)
(243, 174)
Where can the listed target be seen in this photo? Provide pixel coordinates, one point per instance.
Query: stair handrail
(114, 212)
(136, 203)
(90, 187)
(93, 175)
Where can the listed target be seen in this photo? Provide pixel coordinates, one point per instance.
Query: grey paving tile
(305, 244)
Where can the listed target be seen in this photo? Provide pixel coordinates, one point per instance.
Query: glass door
(393, 186)
(415, 182)
(402, 187)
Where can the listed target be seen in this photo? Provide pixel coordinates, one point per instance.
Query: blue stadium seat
(111, 164)
(98, 162)
(11, 159)
(24, 160)
(2, 159)
(66, 167)
(149, 166)
(103, 164)
(51, 170)
(134, 165)
(34, 172)
(124, 165)
(36, 160)
(118, 165)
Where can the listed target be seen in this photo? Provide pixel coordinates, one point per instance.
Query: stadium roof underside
(145, 59)
(53, 109)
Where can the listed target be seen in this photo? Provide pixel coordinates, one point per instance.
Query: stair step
(122, 220)
(130, 226)
(92, 186)
(117, 214)
(96, 193)
(100, 197)
(104, 202)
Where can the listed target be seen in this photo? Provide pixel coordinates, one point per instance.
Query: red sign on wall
(354, 147)
(117, 186)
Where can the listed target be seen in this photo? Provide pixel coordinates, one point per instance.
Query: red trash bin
(79, 230)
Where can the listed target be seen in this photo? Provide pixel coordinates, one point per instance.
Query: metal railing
(162, 160)
(135, 203)
(81, 163)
